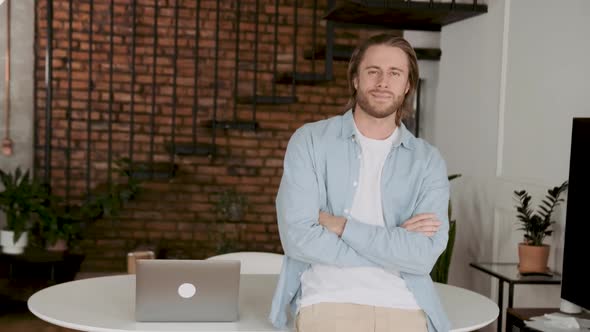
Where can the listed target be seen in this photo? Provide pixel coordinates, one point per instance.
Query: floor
(15, 317)
(14, 314)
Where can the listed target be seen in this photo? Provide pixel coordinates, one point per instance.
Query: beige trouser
(346, 317)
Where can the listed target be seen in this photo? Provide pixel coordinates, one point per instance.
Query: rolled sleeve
(298, 206)
(397, 248)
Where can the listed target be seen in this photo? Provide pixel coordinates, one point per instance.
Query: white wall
(21, 88)
(429, 76)
(548, 78)
(465, 130)
(510, 82)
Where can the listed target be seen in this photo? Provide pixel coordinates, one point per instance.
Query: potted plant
(22, 199)
(62, 222)
(60, 225)
(231, 207)
(107, 200)
(533, 254)
(440, 270)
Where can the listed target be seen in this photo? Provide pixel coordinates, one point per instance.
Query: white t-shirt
(361, 285)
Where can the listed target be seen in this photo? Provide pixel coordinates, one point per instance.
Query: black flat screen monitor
(575, 284)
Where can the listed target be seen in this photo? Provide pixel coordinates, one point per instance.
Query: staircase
(254, 60)
(198, 95)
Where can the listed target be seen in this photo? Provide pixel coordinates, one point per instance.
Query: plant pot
(59, 246)
(235, 213)
(533, 259)
(8, 244)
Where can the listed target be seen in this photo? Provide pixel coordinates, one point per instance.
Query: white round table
(108, 304)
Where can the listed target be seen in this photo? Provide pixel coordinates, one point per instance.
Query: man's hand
(425, 223)
(332, 223)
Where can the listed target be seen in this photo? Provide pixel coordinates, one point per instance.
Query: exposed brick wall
(178, 215)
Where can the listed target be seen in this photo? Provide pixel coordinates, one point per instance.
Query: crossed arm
(424, 223)
(319, 238)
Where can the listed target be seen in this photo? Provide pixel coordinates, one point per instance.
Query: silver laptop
(187, 290)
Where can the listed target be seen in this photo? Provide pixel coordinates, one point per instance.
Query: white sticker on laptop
(187, 290)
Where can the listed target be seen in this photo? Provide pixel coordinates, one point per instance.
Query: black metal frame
(89, 178)
(553, 279)
(89, 101)
(154, 67)
(69, 107)
(49, 91)
(233, 122)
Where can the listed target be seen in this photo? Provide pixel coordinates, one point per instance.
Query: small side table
(22, 275)
(508, 272)
(516, 317)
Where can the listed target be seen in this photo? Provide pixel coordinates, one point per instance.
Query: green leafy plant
(537, 224)
(225, 246)
(23, 199)
(131, 187)
(440, 270)
(231, 207)
(61, 222)
(106, 200)
(29, 204)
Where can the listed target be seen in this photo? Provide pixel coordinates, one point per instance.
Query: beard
(378, 110)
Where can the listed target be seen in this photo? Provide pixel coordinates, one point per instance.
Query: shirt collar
(348, 131)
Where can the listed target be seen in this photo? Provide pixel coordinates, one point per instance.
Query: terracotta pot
(60, 245)
(533, 259)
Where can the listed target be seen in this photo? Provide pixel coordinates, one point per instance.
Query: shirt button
(358, 157)
(346, 211)
(290, 293)
(354, 184)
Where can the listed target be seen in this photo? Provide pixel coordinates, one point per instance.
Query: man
(362, 208)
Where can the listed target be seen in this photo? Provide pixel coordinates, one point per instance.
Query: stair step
(344, 52)
(339, 53)
(190, 149)
(153, 171)
(302, 78)
(370, 27)
(403, 15)
(240, 125)
(267, 100)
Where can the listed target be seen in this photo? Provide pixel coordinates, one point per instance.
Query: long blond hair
(407, 107)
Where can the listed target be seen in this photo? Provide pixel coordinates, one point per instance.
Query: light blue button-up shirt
(321, 164)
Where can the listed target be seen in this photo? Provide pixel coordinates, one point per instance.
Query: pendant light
(7, 145)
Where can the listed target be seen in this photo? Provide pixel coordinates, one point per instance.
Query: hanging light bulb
(7, 142)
